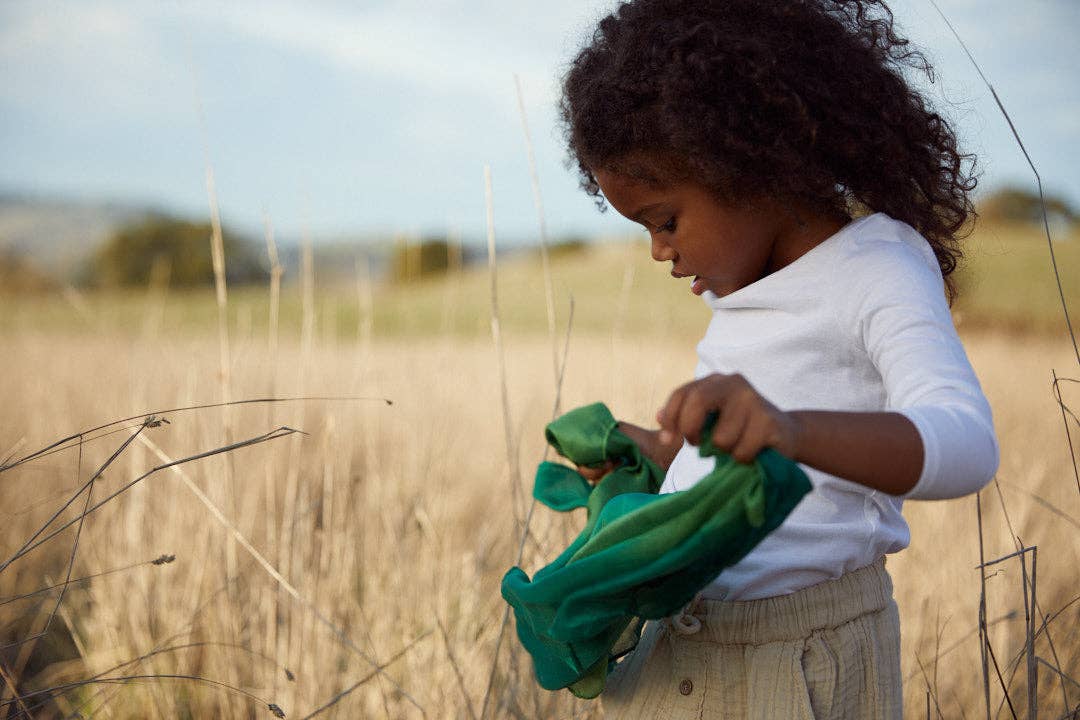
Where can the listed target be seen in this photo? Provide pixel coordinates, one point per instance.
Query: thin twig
(1003, 558)
(1068, 434)
(454, 665)
(930, 691)
(174, 648)
(66, 505)
(1060, 674)
(14, 690)
(984, 639)
(496, 335)
(276, 271)
(235, 533)
(528, 517)
(1038, 607)
(142, 417)
(1001, 680)
(379, 669)
(71, 564)
(1011, 615)
(1029, 631)
(67, 687)
(534, 176)
(1031, 164)
(175, 636)
(272, 435)
(1044, 503)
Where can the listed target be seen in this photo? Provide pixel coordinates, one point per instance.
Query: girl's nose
(661, 251)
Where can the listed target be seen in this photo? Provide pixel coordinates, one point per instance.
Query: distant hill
(57, 236)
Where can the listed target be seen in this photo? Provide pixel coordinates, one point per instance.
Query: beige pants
(828, 651)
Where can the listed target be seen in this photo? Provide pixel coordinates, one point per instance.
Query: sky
(338, 118)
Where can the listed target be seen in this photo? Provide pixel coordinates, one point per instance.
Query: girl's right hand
(595, 475)
(647, 440)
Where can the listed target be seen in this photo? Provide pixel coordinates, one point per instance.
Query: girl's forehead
(627, 193)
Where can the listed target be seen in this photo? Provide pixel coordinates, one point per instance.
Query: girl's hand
(748, 422)
(647, 440)
(595, 475)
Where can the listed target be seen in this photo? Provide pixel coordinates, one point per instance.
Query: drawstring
(684, 622)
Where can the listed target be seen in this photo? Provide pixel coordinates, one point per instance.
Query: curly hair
(803, 100)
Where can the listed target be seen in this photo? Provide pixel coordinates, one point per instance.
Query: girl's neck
(804, 231)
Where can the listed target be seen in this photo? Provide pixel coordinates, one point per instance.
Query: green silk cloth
(641, 555)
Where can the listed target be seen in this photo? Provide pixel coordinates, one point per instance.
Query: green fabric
(640, 555)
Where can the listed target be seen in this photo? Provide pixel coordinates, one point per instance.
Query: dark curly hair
(803, 100)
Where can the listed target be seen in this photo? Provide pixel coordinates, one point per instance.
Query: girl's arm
(880, 450)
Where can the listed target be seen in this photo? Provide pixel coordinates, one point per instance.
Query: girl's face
(722, 247)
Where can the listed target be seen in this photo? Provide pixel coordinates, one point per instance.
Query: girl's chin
(698, 286)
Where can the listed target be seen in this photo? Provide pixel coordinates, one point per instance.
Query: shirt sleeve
(906, 328)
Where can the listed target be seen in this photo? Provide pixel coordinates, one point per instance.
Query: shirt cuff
(960, 452)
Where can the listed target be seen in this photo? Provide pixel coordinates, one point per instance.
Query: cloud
(82, 60)
(437, 46)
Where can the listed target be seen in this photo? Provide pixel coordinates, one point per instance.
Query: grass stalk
(984, 639)
(379, 670)
(1035, 172)
(270, 570)
(276, 271)
(528, 519)
(1068, 433)
(496, 336)
(217, 256)
(456, 667)
(538, 201)
(365, 304)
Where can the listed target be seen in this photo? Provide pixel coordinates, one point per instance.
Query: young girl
(778, 158)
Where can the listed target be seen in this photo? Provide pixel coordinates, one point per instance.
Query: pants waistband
(794, 616)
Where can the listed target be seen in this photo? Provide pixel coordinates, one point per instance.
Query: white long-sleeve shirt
(859, 323)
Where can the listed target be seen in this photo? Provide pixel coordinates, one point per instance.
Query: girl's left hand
(747, 424)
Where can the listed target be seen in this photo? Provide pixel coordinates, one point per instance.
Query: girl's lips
(697, 286)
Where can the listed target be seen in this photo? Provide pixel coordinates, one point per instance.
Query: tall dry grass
(391, 526)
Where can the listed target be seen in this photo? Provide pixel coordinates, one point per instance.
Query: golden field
(384, 531)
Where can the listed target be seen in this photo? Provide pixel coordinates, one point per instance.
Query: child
(745, 136)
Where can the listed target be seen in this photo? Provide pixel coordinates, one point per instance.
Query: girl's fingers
(753, 440)
(684, 412)
(668, 415)
(594, 475)
(730, 427)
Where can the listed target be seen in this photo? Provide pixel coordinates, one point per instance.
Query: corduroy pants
(828, 651)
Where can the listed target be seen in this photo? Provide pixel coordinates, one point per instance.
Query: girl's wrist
(797, 424)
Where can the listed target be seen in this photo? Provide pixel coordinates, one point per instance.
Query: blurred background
(358, 124)
(354, 571)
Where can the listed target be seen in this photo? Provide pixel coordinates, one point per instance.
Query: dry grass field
(359, 564)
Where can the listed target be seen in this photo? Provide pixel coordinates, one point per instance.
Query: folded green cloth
(640, 555)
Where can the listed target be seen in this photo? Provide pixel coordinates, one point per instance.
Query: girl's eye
(669, 226)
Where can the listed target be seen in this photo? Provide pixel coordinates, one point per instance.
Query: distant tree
(567, 246)
(1013, 204)
(173, 250)
(414, 260)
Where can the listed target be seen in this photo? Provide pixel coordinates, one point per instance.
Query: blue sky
(377, 117)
